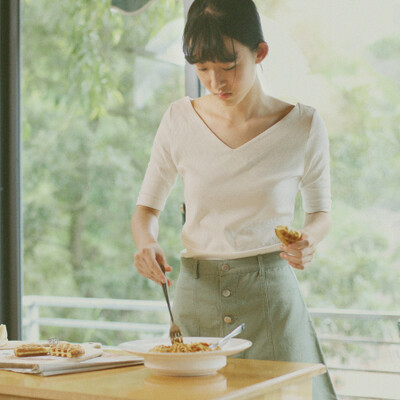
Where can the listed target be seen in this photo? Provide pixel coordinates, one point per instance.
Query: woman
(242, 156)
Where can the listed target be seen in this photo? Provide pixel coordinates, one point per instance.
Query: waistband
(234, 266)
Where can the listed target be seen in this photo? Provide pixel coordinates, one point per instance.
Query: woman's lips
(224, 95)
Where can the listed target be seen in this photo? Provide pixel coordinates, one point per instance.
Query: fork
(174, 331)
(234, 333)
(53, 341)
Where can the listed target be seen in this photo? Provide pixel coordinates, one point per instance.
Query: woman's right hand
(147, 261)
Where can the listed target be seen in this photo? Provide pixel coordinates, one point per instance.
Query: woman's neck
(252, 105)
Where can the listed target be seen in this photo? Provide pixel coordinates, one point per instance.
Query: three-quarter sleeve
(161, 171)
(315, 185)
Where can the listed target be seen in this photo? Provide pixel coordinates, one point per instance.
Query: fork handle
(234, 333)
(165, 289)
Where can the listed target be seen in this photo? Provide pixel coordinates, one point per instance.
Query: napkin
(93, 359)
(3, 335)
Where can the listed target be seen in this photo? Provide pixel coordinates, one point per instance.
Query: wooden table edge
(276, 383)
(253, 390)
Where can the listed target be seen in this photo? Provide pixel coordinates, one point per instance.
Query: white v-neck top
(236, 197)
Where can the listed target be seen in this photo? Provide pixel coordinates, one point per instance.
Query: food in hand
(183, 348)
(31, 350)
(3, 335)
(65, 349)
(287, 235)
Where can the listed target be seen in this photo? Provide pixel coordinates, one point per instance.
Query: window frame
(10, 174)
(192, 83)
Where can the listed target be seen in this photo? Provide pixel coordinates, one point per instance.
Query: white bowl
(185, 364)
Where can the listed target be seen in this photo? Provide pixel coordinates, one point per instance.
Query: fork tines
(175, 335)
(53, 341)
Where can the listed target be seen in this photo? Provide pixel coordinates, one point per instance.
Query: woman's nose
(217, 80)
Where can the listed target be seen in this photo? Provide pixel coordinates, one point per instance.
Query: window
(343, 57)
(95, 84)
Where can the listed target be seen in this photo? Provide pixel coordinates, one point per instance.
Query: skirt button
(227, 319)
(225, 267)
(226, 293)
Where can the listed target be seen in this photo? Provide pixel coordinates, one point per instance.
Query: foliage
(86, 144)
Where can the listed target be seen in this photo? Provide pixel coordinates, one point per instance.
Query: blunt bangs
(204, 41)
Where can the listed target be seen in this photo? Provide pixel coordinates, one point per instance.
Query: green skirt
(214, 296)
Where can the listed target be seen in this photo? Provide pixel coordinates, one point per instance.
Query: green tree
(86, 143)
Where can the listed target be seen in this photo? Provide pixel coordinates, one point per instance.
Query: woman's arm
(300, 254)
(144, 227)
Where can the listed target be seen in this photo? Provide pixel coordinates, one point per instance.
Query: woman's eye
(230, 68)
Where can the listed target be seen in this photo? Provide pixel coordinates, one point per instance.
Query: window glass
(343, 57)
(345, 63)
(95, 84)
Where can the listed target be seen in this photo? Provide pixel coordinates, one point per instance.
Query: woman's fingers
(144, 265)
(299, 263)
(299, 266)
(299, 255)
(297, 259)
(161, 260)
(147, 262)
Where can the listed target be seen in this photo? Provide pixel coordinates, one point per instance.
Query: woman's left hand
(299, 254)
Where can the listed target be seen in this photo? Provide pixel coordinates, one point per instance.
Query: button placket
(226, 295)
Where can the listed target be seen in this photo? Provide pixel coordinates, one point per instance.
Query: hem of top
(154, 205)
(317, 210)
(230, 256)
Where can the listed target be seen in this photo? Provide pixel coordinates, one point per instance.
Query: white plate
(185, 364)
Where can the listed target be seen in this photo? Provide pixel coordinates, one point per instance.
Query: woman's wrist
(316, 226)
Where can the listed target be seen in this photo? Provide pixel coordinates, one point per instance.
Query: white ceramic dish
(185, 364)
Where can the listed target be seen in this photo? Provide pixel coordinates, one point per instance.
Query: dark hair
(209, 22)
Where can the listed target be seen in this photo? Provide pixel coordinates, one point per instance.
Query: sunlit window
(95, 84)
(343, 57)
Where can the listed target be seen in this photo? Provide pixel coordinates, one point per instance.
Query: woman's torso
(236, 196)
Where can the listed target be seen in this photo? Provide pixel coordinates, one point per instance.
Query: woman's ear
(262, 51)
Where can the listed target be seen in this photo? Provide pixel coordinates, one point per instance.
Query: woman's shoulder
(305, 116)
(311, 117)
(179, 113)
(283, 106)
(180, 104)
(307, 110)
(178, 108)
(311, 121)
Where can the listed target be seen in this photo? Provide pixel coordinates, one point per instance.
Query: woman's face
(230, 82)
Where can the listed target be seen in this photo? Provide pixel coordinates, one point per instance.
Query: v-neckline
(249, 142)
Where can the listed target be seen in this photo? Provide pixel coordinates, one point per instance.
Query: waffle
(30, 350)
(287, 235)
(65, 349)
